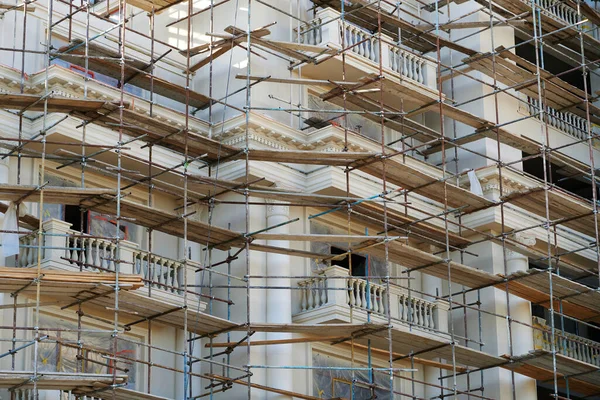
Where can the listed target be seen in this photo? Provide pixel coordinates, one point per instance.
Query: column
(279, 304)
(520, 310)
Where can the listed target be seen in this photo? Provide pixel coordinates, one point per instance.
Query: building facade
(310, 199)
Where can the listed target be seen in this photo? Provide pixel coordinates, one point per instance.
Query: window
(346, 384)
(578, 185)
(359, 263)
(60, 355)
(553, 65)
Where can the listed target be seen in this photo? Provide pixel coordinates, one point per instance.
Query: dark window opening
(73, 215)
(553, 65)
(578, 185)
(359, 263)
(546, 392)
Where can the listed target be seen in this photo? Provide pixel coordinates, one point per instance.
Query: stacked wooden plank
(162, 221)
(105, 61)
(62, 283)
(516, 72)
(58, 104)
(137, 306)
(556, 30)
(429, 264)
(403, 341)
(578, 301)
(568, 210)
(123, 394)
(400, 173)
(57, 195)
(58, 380)
(583, 378)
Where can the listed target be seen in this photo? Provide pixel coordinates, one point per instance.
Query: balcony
(333, 296)
(67, 249)
(327, 30)
(567, 344)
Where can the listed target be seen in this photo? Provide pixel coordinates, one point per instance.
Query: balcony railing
(327, 28)
(558, 9)
(335, 288)
(69, 249)
(567, 122)
(565, 343)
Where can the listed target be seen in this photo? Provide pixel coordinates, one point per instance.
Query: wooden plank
(55, 104)
(355, 346)
(538, 364)
(265, 388)
(287, 251)
(63, 283)
(562, 206)
(319, 238)
(126, 394)
(296, 81)
(20, 7)
(108, 65)
(578, 301)
(167, 222)
(58, 380)
(56, 195)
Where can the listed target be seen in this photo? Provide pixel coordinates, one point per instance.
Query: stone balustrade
(565, 343)
(558, 9)
(68, 249)
(327, 28)
(565, 121)
(335, 288)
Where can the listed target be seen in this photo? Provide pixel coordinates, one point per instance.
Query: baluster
(169, 275)
(356, 39)
(323, 283)
(409, 66)
(180, 272)
(426, 307)
(363, 294)
(30, 251)
(93, 251)
(376, 49)
(302, 290)
(309, 294)
(23, 252)
(351, 293)
(88, 251)
(302, 286)
(315, 293)
(404, 64)
(159, 273)
(403, 302)
(319, 31)
(347, 284)
(112, 254)
(421, 74)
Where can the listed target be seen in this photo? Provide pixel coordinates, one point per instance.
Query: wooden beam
(447, 367)
(297, 81)
(265, 388)
(320, 238)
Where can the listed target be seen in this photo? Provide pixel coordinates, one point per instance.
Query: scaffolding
(104, 100)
